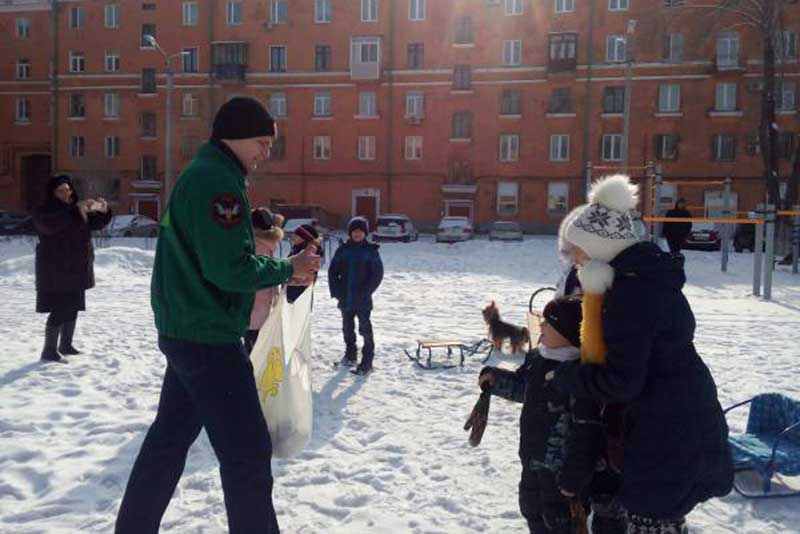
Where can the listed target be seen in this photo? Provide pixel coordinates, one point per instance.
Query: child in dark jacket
(354, 274)
(305, 235)
(561, 439)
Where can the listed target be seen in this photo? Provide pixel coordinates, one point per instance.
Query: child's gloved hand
(486, 379)
(478, 418)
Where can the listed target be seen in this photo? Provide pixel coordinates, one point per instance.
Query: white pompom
(615, 192)
(596, 277)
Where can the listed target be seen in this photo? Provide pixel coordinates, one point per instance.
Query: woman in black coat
(64, 260)
(676, 452)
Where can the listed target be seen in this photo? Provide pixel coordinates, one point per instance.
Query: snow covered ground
(389, 453)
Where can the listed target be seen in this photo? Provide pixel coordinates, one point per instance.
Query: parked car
(291, 225)
(131, 226)
(452, 229)
(505, 231)
(15, 223)
(745, 238)
(704, 236)
(398, 227)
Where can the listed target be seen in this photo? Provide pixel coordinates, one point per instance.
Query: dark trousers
(364, 328)
(675, 244)
(541, 502)
(59, 317)
(211, 387)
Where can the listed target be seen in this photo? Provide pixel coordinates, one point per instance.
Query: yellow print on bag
(271, 377)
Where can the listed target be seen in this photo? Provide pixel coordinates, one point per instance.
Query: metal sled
(450, 345)
(536, 304)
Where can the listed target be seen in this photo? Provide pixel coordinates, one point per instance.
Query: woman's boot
(49, 352)
(65, 345)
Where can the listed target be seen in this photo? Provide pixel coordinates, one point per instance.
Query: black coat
(677, 231)
(354, 274)
(676, 438)
(294, 292)
(64, 255)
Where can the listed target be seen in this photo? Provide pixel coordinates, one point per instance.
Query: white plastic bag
(281, 363)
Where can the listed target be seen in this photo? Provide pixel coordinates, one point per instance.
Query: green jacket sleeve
(223, 240)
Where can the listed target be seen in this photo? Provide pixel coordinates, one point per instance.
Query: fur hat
(242, 118)
(358, 223)
(267, 224)
(564, 315)
(604, 227)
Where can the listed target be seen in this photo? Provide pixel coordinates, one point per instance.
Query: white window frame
(725, 96)
(558, 197)
(369, 10)
(111, 105)
(189, 53)
(111, 61)
(23, 110)
(368, 47)
(661, 152)
(278, 105)
(512, 53)
(669, 98)
(275, 12)
(416, 10)
(789, 44)
(564, 6)
(77, 61)
(675, 47)
(322, 147)
(366, 147)
(190, 13)
(77, 18)
(367, 104)
(513, 8)
(111, 146)
(559, 147)
(415, 104)
(23, 27)
(507, 199)
(413, 147)
(285, 58)
(23, 69)
(190, 105)
(111, 15)
(509, 147)
(322, 12)
(618, 5)
(77, 146)
(786, 91)
(612, 142)
(323, 105)
(616, 48)
(233, 13)
(718, 145)
(728, 48)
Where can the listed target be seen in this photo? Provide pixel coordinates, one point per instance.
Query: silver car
(505, 231)
(395, 227)
(452, 229)
(131, 226)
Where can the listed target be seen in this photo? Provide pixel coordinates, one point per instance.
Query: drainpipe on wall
(587, 110)
(211, 100)
(54, 89)
(390, 111)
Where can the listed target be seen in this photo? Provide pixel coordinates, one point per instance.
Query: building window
(416, 55)
(111, 146)
(278, 151)
(785, 146)
(462, 78)
(728, 50)
(507, 198)
(279, 14)
(367, 104)
(413, 147)
(190, 105)
(788, 45)
(669, 98)
(148, 80)
(148, 30)
(512, 53)
(723, 147)
(366, 147)
(673, 47)
(364, 60)
(23, 115)
(77, 62)
(322, 11)
(612, 147)
(666, 146)
(369, 10)
(322, 58)
(111, 105)
(618, 5)
(564, 6)
(416, 9)
(615, 48)
(513, 7)
(277, 58)
(23, 25)
(77, 106)
(614, 100)
(785, 91)
(191, 59)
(557, 197)
(190, 13)
(148, 168)
(77, 18)
(511, 102)
(563, 47)
(560, 101)
(559, 147)
(233, 13)
(322, 105)
(415, 105)
(148, 124)
(77, 146)
(322, 147)
(462, 125)
(23, 69)
(111, 16)
(277, 105)
(725, 99)
(111, 61)
(509, 147)
(463, 30)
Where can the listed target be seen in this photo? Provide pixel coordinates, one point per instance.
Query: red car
(704, 236)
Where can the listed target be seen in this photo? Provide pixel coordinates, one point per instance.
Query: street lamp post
(628, 89)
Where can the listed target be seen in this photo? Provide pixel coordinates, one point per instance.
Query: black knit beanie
(242, 118)
(358, 222)
(564, 315)
(262, 219)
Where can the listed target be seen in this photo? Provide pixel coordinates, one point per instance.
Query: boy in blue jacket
(354, 274)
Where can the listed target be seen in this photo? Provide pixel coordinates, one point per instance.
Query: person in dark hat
(676, 233)
(205, 276)
(65, 261)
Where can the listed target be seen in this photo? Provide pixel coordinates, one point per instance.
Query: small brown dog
(499, 330)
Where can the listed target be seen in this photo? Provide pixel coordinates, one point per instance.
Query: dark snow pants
(211, 387)
(541, 503)
(364, 328)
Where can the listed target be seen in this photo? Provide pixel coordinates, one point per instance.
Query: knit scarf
(560, 354)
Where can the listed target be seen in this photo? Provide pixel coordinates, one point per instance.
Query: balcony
(230, 71)
(229, 60)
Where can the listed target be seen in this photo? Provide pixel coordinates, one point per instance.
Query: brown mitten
(478, 418)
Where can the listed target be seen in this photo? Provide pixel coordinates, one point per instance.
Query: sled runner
(770, 445)
(536, 304)
(450, 345)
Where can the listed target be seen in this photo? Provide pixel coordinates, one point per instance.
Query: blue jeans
(211, 387)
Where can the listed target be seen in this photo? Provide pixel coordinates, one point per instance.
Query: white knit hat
(604, 227)
(564, 246)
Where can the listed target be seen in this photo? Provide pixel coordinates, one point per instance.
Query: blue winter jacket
(676, 438)
(354, 274)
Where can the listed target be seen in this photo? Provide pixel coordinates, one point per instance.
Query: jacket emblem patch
(226, 210)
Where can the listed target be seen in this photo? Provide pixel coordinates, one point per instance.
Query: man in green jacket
(205, 276)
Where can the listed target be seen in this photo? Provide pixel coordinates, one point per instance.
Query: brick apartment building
(486, 108)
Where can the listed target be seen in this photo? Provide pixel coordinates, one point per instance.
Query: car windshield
(506, 226)
(453, 222)
(386, 221)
